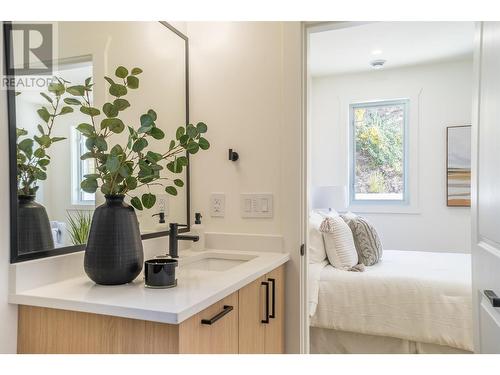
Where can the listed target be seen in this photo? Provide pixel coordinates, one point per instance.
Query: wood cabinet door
(251, 314)
(275, 330)
(198, 336)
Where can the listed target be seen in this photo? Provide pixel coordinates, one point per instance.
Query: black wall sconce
(233, 155)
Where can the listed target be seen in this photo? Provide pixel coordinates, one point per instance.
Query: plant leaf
(136, 71)
(192, 147)
(72, 101)
(131, 182)
(26, 145)
(117, 90)
(132, 82)
(157, 133)
(178, 182)
(78, 90)
(203, 143)
(65, 110)
(152, 114)
(148, 200)
(91, 111)
(89, 185)
(140, 145)
(180, 132)
(85, 129)
(114, 124)
(112, 163)
(121, 72)
(171, 190)
(136, 202)
(101, 143)
(121, 104)
(109, 110)
(109, 80)
(146, 120)
(191, 131)
(44, 114)
(57, 88)
(201, 127)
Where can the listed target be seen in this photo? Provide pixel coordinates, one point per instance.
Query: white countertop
(196, 290)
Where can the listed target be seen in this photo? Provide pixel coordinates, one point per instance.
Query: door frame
(309, 28)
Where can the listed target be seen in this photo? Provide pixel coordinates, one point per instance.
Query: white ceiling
(351, 49)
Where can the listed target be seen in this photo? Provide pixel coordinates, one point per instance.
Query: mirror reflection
(55, 203)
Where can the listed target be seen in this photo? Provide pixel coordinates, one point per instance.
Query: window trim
(353, 203)
(76, 171)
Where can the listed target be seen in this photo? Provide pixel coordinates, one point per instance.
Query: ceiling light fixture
(377, 64)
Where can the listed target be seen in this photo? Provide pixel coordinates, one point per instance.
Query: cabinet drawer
(197, 335)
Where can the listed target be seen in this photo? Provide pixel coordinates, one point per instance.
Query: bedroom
(389, 140)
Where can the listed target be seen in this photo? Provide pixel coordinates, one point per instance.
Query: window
(80, 169)
(379, 148)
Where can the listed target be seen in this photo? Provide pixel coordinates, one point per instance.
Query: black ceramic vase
(33, 226)
(114, 254)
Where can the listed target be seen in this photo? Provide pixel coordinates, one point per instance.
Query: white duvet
(412, 295)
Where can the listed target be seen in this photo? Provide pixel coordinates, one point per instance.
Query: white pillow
(339, 243)
(316, 246)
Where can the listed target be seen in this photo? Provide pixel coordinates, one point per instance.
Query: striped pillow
(339, 244)
(366, 239)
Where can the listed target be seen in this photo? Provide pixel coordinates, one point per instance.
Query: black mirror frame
(15, 257)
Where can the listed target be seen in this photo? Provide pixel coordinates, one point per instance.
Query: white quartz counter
(196, 289)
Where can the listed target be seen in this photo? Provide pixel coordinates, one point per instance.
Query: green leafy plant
(121, 169)
(32, 156)
(79, 226)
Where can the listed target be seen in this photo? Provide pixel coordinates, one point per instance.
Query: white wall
(440, 96)
(245, 84)
(8, 313)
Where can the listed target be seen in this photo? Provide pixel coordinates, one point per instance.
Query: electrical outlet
(217, 204)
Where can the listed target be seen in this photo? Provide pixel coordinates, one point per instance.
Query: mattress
(411, 295)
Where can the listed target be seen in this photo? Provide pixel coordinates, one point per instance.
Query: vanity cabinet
(250, 320)
(261, 316)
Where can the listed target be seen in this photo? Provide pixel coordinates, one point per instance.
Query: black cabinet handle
(227, 309)
(273, 296)
(494, 299)
(266, 320)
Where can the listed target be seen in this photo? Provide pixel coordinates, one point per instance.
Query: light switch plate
(217, 204)
(256, 205)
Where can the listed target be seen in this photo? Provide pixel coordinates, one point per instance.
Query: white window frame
(407, 204)
(76, 170)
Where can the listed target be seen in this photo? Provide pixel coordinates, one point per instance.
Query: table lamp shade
(332, 197)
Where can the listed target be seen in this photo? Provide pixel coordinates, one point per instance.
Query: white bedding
(419, 296)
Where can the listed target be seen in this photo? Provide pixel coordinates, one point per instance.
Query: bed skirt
(331, 341)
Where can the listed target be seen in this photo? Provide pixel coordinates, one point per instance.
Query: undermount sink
(215, 262)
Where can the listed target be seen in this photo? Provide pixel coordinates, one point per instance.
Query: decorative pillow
(366, 239)
(316, 246)
(339, 244)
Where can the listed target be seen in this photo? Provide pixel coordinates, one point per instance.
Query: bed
(409, 302)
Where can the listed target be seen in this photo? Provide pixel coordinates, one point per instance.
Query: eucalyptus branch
(125, 168)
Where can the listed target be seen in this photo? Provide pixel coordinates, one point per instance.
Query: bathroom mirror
(55, 218)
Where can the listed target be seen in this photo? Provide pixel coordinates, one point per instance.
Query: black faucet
(175, 236)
